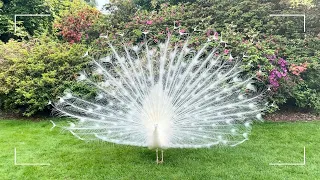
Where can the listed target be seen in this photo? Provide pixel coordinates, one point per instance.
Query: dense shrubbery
(244, 15)
(277, 53)
(287, 62)
(27, 26)
(34, 72)
(75, 27)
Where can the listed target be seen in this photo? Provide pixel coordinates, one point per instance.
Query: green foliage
(30, 26)
(307, 97)
(27, 25)
(297, 3)
(248, 29)
(304, 89)
(34, 72)
(245, 16)
(122, 11)
(155, 4)
(63, 8)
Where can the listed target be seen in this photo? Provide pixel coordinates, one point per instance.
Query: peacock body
(165, 96)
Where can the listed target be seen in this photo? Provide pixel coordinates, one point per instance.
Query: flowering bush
(298, 69)
(75, 27)
(289, 68)
(276, 74)
(273, 59)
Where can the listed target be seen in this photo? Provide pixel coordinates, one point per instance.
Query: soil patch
(292, 114)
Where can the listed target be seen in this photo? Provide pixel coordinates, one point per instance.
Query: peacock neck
(155, 139)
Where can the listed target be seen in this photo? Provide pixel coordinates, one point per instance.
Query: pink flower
(168, 32)
(208, 32)
(149, 22)
(182, 31)
(215, 36)
(226, 51)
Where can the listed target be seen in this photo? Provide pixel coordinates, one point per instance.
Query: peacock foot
(159, 162)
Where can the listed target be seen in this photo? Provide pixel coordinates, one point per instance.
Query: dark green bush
(27, 26)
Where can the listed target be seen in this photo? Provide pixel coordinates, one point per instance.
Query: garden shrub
(248, 29)
(34, 72)
(282, 59)
(74, 27)
(245, 15)
(62, 8)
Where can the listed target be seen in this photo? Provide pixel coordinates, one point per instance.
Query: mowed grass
(71, 158)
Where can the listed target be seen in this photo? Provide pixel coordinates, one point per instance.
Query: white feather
(160, 100)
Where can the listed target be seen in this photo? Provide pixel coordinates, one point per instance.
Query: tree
(28, 24)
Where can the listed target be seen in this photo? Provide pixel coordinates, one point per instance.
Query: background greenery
(37, 71)
(42, 59)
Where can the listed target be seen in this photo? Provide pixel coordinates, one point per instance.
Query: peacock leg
(161, 156)
(157, 156)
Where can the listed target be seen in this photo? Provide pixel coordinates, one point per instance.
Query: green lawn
(71, 158)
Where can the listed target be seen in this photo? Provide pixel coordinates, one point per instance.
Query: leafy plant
(31, 73)
(74, 27)
(28, 25)
(268, 57)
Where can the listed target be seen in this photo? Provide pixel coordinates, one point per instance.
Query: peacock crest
(165, 96)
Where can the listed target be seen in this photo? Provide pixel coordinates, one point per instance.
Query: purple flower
(277, 73)
(271, 57)
(273, 78)
(282, 62)
(283, 74)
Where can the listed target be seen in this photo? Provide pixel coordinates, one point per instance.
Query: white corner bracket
(293, 15)
(292, 164)
(27, 164)
(28, 15)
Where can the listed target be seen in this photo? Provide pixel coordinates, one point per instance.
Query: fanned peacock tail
(165, 96)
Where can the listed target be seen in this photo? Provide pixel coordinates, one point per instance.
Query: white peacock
(165, 96)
